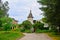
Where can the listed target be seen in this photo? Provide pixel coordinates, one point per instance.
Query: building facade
(30, 17)
(15, 24)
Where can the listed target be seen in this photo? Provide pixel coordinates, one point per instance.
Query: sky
(20, 9)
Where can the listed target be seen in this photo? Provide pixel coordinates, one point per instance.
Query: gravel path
(34, 36)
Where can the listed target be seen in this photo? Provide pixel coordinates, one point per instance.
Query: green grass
(54, 36)
(10, 35)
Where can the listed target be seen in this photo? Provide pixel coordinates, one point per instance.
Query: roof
(30, 15)
(14, 20)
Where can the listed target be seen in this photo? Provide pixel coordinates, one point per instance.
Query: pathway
(34, 36)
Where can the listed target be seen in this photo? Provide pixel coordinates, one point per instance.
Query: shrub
(28, 31)
(41, 31)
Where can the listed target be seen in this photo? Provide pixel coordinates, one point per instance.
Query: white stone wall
(31, 20)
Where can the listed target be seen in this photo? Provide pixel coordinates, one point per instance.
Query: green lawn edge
(10, 35)
(54, 36)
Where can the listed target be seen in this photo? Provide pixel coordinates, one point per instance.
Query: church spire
(30, 15)
(30, 11)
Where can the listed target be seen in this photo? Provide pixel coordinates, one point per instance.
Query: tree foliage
(44, 20)
(51, 10)
(38, 25)
(27, 24)
(4, 9)
(6, 23)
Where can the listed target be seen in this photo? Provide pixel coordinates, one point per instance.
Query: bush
(41, 31)
(22, 30)
(25, 30)
(27, 24)
(38, 25)
(28, 31)
(7, 27)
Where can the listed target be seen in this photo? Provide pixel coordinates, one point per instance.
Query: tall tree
(51, 10)
(4, 9)
(6, 23)
(38, 25)
(44, 20)
(3, 12)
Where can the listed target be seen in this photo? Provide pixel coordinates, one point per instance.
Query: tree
(44, 20)
(4, 9)
(27, 25)
(6, 23)
(4, 13)
(0, 23)
(51, 10)
(38, 25)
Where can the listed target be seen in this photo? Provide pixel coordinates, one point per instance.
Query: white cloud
(19, 9)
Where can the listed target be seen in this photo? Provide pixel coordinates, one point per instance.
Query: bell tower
(30, 17)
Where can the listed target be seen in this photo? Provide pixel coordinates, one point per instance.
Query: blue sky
(19, 9)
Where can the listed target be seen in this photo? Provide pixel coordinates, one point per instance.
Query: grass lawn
(54, 37)
(10, 35)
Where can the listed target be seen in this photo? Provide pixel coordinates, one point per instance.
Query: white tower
(30, 17)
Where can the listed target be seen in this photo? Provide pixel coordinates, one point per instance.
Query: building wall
(15, 23)
(31, 20)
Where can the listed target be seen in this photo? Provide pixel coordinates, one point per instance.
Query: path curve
(34, 36)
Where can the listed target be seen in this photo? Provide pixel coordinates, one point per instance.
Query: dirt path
(34, 36)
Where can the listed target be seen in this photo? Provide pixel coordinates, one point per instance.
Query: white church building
(30, 17)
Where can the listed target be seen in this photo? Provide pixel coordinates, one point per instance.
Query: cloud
(19, 9)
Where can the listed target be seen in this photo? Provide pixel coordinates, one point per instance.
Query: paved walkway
(34, 36)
